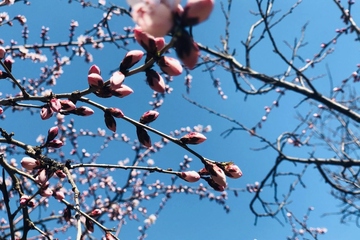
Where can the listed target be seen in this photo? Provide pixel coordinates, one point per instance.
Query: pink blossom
(122, 91)
(155, 18)
(94, 69)
(232, 170)
(95, 212)
(197, 11)
(95, 80)
(170, 66)
(193, 138)
(149, 116)
(130, 59)
(116, 80)
(24, 200)
(155, 81)
(29, 163)
(55, 104)
(190, 176)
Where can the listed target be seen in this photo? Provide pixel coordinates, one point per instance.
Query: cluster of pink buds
(51, 141)
(56, 105)
(214, 173)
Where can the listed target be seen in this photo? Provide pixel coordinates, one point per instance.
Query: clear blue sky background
(185, 217)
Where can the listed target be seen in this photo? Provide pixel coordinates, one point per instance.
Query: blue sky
(185, 217)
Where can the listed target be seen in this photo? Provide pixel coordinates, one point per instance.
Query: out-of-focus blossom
(153, 17)
(83, 111)
(155, 81)
(149, 116)
(42, 177)
(196, 11)
(190, 176)
(95, 212)
(193, 138)
(130, 59)
(29, 163)
(60, 174)
(46, 192)
(116, 80)
(24, 199)
(187, 50)
(46, 113)
(170, 66)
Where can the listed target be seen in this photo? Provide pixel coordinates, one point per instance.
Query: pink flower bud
(116, 112)
(154, 18)
(83, 111)
(143, 137)
(1, 110)
(56, 143)
(59, 195)
(170, 66)
(46, 192)
(89, 225)
(116, 80)
(8, 63)
(109, 236)
(232, 170)
(187, 50)
(95, 212)
(41, 178)
(197, 11)
(46, 113)
(29, 163)
(55, 104)
(122, 91)
(24, 200)
(148, 42)
(52, 133)
(2, 52)
(155, 81)
(67, 105)
(95, 80)
(110, 121)
(216, 173)
(214, 185)
(149, 117)
(130, 59)
(94, 69)
(60, 174)
(193, 138)
(190, 176)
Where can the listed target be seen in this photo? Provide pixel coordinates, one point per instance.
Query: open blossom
(153, 17)
(190, 176)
